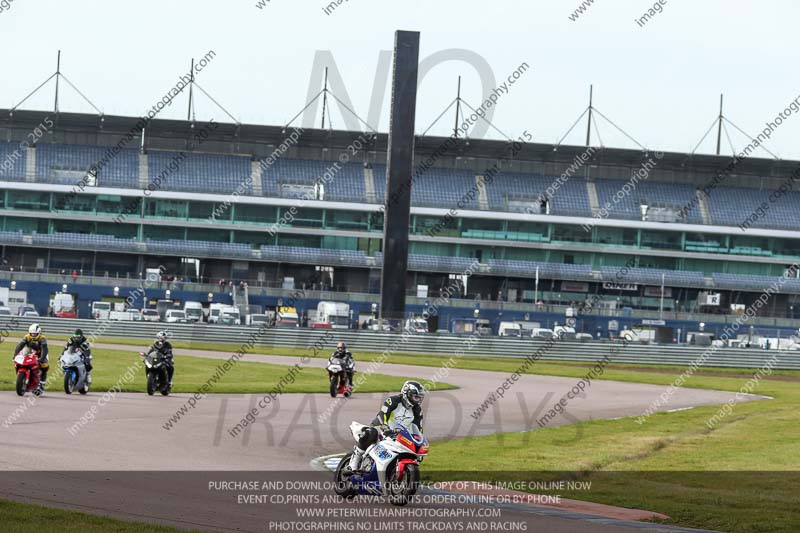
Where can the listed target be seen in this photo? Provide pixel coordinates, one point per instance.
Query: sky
(659, 81)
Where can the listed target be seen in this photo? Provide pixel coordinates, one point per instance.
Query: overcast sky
(660, 82)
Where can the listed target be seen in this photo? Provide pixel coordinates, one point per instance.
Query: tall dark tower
(398, 175)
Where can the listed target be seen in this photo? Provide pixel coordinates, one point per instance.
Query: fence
(358, 340)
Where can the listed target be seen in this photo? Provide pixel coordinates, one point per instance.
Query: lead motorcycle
(155, 367)
(389, 468)
(26, 367)
(338, 369)
(75, 375)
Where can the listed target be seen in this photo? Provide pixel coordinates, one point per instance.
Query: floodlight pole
(458, 107)
(324, 97)
(589, 122)
(58, 75)
(719, 125)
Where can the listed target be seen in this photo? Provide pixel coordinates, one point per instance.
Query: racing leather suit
(40, 345)
(395, 412)
(82, 344)
(166, 351)
(349, 363)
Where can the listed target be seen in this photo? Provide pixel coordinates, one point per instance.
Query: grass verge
(192, 372)
(27, 518)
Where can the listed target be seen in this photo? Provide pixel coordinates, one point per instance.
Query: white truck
(640, 334)
(565, 333)
(332, 315)
(213, 312)
(194, 311)
(101, 310)
(527, 328)
(230, 315)
(542, 333)
(416, 325)
(509, 329)
(63, 305)
(256, 319)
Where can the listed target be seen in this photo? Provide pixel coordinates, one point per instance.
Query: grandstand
(284, 220)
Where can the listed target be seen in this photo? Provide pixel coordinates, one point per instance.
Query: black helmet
(77, 334)
(413, 393)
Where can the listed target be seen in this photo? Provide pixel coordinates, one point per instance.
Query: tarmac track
(115, 464)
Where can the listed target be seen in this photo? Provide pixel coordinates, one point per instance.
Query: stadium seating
(12, 162)
(755, 283)
(68, 164)
(346, 183)
(435, 187)
(527, 269)
(731, 206)
(571, 197)
(314, 256)
(221, 174)
(652, 276)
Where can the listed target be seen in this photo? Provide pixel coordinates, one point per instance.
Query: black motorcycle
(155, 366)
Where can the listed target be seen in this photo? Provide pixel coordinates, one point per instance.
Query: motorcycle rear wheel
(22, 384)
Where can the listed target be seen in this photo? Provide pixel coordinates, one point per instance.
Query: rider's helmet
(413, 393)
(341, 347)
(34, 331)
(77, 334)
(161, 338)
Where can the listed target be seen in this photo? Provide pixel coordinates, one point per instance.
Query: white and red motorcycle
(389, 468)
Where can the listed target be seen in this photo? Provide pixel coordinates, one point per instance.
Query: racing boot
(355, 459)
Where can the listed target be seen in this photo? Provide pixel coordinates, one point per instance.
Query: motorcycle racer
(34, 340)
(81, 343)
(163, 347)
(349, 361)
(402, 409)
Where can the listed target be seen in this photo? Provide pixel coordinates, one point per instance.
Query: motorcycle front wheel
(334, 385)
(165, 384)
(401, 491)
(151, 384)
(342, 486)
(69, 385)
(22, 384)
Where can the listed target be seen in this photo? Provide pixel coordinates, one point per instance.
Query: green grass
(741, 476)
(26, 518)
(730, 478)
(193, 372)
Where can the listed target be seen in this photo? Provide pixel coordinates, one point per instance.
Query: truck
(256, 319)
(213, 312)
(416, 325)
(286, 317)
(640, 334)
(509, 329)
(194, 311)
(100, 310)
(332, 315)
(565, 333)
(63, 305)
(230, 315)
(527, 328)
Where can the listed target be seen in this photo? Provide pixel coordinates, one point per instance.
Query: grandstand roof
(259, 140)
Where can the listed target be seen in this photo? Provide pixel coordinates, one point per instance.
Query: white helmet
(413, 393)
(34, 331)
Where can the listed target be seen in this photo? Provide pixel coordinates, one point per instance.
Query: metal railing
(448, 345)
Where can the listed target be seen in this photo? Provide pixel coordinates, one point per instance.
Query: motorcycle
(156, 371)
(337, 375)
(75, 375)
(389, 467)
(26, 366)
